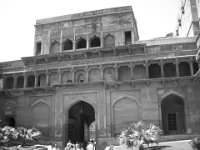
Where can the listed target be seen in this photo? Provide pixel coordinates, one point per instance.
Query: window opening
(95, 41)
(67, 45)
(38, 48)
(127, 37)
(81, 43)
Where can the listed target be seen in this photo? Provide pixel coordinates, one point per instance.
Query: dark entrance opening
(9, 121)
(80, 118)
(173, 116)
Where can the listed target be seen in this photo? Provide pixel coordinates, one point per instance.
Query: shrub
(137, 135)
(8, 134)
(195, 143)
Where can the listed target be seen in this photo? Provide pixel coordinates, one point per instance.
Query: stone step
(178, 137)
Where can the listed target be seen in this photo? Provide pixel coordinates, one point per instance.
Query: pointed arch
(126, 110)
(109, 41)
(95, 41)
(41, 116)
(80, 43)
(10, 105)
(173, 113)
(67, 45)
(55, 47)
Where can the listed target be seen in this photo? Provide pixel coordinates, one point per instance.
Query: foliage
(137, 135)
(8, 134)
(195, 143)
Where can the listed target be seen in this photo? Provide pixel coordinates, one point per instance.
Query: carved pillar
(15, 82)
(101, 72)
(86, 74)
(131, 69)
(147, 69)
(72, 72)
(36, 79)
(116, 72)
(49, 41)
(177, 68)
(47, 78)
(87, 41)
(25, 80)
(191, 67)
(74, 40)
(61, 41)
(102, 42)
(162, 69)
(59, 76)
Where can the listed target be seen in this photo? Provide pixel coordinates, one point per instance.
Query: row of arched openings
(124, 73)
(81, 43)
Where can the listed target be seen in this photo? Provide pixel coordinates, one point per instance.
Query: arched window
(67, 45)
(154, 71)
(95, 41)
(31, 81)
(20, 82)
(109, 41)
(81, 43)
(55, 47)
(41, 80)
(9, 83)
(169, 70)
(81, 78)
(184, 69)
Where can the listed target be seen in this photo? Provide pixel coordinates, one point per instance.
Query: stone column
(131, 69)
(72, 71)
(14, 82)
(86, 74)
(147, 69)
(191, 67)
(47, 78)
(101, 72)
(87, 41)
(162, 69)
(116, 72)
(49, 41)
(102, 41)
(36, 79)
(177, 68)
(61, 41)
(59, 76)
(25, 80)
(74, 40)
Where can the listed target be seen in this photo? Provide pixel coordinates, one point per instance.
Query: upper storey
(93, 29)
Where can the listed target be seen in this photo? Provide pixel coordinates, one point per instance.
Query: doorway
(173, 115)
(81, 117)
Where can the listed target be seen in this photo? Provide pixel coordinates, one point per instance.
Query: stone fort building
(91, 77)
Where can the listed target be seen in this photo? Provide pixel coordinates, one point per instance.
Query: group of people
(80, 146)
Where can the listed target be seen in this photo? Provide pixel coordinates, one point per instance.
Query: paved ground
(174, 145)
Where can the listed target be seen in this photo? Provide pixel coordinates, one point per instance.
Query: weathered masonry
(91, 78)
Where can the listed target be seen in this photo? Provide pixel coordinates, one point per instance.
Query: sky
(155, 18)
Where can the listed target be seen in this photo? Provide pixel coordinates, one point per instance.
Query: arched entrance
(173, 115)
(81, 117)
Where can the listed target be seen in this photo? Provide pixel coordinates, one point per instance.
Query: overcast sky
(155, 18)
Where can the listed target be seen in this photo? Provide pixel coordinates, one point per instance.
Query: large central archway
(173, 115)
(81, 117)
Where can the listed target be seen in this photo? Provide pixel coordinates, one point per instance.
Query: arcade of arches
(80, 122)
(173, 115)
